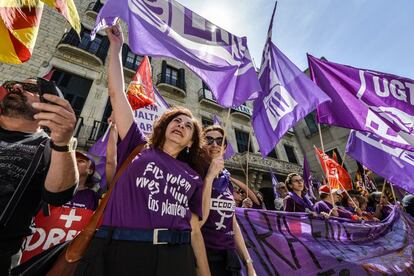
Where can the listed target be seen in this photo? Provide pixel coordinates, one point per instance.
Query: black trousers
(113, 257)
(8, 247)
(223, 262)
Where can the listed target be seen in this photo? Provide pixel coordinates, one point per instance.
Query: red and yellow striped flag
(19, 25)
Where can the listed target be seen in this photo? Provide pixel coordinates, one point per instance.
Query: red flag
(335, 157)
(140, 91)
(334, 172)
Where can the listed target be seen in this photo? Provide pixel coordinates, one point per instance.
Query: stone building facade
(78, 67)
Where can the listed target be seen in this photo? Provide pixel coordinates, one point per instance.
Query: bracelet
(248, 261)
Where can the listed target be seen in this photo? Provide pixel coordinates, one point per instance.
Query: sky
(369, 34)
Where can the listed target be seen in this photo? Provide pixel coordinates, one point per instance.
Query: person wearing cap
(22, 117)
(296, 200)
(326, 207)
(85, 196)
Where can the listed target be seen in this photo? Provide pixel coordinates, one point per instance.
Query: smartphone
(48, 87)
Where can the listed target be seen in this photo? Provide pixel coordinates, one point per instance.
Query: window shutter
(163, 71)
(181, 79)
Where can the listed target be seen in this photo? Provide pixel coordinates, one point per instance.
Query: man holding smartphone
(54, 179)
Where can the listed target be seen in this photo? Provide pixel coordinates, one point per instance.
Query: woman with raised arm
(221, 232)
(151, 225)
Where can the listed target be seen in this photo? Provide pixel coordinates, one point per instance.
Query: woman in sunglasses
(296, 200)
(221, 232)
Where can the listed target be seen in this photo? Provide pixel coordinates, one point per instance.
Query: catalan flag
(19, 25)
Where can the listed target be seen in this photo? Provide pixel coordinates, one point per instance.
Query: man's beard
(15, 105)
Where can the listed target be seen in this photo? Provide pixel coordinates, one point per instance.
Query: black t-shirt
(17, 150)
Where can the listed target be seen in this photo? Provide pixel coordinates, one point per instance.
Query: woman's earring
(188, 150)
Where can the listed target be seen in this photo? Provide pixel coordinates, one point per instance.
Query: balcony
(172, 86)
(91, 51)
(242, 111)
(206, 96)
(256, 162)
(93, 9)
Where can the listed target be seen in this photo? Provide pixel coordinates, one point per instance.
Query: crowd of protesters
(176, 191)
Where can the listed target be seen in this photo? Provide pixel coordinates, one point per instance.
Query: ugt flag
(19, 25)
(394, 164)
(140, 90)
(288, 96)
(337, 176)
(229, 149)
(366, 100)
(168, 29)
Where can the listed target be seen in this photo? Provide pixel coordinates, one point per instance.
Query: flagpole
(247, 164)
(106, 132)
(326, 167)
(225, 132)
(393, 193)
(346, 192)
(383, 187)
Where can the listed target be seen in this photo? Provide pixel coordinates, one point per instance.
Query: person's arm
(216, 166)
(241, 248)
(122, 111)
(197, 242)
(246, 189)
(288, 204)
(60, 118)
(111, 154)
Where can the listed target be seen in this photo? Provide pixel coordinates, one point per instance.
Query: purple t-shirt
(218, 229)
(85, 198)
(155, 191)
(323, 206)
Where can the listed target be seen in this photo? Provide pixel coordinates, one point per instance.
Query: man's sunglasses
(29, 87)
(219, 141)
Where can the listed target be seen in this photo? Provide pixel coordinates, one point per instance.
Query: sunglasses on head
(29, 87)
(219, 140)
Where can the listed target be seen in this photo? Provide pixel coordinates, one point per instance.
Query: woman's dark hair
(196, 156)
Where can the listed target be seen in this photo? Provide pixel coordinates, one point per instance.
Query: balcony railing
(98, 130)
(96, 50)
(172, 86)
(242, 110)
(93, 8)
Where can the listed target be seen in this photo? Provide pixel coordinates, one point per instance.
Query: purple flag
(307, 178)
(394, 164)
(283, 243)
(168, 29)
(274, 185)
(288, 96)
(98, 151)
(367, 101)
(229, 149)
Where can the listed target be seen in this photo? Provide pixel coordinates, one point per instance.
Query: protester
(296, 200)
(282, 192)
(408, 204)
(22, 117)
(244, 190)
(326, 206)
(221, 232)
(151, 223)
(247, 203)
(351, 203)
(384, 208)
(260, 198)
(85, 195)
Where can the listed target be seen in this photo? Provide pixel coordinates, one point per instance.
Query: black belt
(155, 236)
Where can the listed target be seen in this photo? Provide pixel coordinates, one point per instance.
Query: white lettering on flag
(278, 103)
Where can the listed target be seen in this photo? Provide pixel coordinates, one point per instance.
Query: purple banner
(366, 100)
(288, 96)
(283, 243)
(307, 178)
(394, 164)
(229, 149)
(168, 29)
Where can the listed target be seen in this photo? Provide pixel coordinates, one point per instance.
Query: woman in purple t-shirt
(151, 225)
(296, 200)
(221, 232)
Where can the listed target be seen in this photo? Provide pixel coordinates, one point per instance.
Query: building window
(74, 88)
(242, 141)
(206, 121)
(129, 59)
(310, 121)
(290, 152)
(172, 76)
(272, 154)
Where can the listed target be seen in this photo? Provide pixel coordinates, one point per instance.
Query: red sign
(63, 224)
